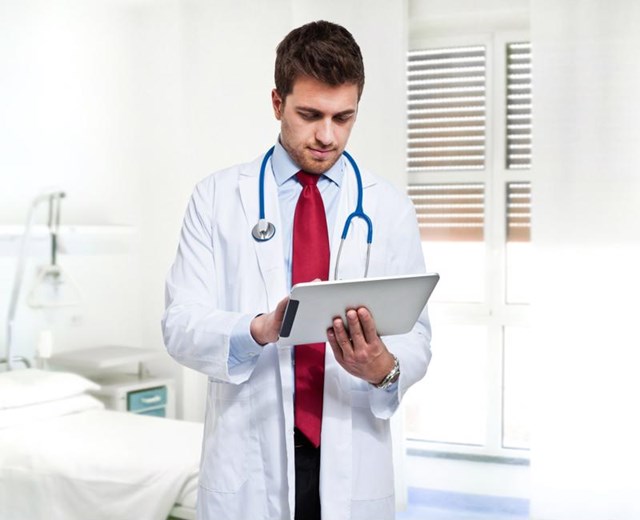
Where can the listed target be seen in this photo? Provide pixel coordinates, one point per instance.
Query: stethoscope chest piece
(263, 230)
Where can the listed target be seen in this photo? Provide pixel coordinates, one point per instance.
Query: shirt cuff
(393, 387)
(384, 402)
(242, 346)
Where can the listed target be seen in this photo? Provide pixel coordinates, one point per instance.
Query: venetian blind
(518, 106)
(518, 211)
(449, 211)
(446, 109)
(447, 131)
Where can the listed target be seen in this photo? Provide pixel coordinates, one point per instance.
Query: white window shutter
(519, 106)
(447, 109)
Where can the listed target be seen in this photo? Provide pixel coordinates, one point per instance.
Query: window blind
(449, 211)
(446, 109)
(518, 211)
(518, 106)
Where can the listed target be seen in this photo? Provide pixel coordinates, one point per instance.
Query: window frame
(494, 312)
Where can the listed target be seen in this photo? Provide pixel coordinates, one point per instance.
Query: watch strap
(391, 377)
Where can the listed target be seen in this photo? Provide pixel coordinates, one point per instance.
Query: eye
(309, 116)
(343, 118)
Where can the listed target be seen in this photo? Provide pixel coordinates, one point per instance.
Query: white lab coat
(221, 273)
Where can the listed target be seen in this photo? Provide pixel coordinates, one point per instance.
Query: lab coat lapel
(336, 460)
(269, 254)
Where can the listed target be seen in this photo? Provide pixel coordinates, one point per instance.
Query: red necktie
(310, 261)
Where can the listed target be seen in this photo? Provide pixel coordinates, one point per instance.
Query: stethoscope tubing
(264, 230)
(263, 168)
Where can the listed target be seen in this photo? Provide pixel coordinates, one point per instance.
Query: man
(297, 432)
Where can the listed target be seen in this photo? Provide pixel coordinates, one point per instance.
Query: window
(469, 159)
(447, 109)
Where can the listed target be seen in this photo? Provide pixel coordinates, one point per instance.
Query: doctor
(226, 295)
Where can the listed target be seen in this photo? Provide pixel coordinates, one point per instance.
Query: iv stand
(54, 198)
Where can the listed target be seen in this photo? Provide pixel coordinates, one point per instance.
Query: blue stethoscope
(265, 230)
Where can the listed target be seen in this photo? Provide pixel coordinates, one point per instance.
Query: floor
(449, 489)
(425, 504)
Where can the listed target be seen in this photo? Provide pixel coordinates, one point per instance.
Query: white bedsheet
(96, 465)
(22, 415)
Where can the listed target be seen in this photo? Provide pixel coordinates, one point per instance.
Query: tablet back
(395, 302)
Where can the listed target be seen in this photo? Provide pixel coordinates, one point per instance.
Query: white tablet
(395, 303)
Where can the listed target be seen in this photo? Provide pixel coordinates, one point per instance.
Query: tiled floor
(425, 504)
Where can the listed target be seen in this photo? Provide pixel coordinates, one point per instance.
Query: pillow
(11, 417)
(31, 386)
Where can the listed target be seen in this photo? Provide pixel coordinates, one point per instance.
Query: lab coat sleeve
(413, 349)
(197, 333)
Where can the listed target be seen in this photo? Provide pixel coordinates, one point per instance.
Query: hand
(265, 328)
(360, 351)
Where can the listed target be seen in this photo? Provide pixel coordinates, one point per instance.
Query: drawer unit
(150, 401)
(155, 412)
(130, 393)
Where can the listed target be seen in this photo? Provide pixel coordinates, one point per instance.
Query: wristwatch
(391, 377)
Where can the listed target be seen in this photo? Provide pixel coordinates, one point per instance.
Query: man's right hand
(265, 328)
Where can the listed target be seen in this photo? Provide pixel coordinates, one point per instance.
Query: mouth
(321, 154)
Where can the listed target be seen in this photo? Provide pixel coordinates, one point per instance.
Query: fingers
(362, 327)
(278, 313)
(368, 325)
(333, 342)
(265, 328)
(341, 337)
(358, 336)
(355, 329)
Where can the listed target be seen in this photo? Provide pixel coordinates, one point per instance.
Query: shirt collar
(284, 168)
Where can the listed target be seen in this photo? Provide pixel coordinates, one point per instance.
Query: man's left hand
(360, 351)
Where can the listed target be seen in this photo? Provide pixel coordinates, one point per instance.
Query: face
(315, 122)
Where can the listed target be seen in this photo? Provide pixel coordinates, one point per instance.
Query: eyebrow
(348, 112)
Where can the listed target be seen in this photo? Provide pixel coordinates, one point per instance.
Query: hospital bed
(64, 457)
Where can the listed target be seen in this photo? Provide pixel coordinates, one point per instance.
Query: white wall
(586, 192)
(447, 18)
(127, 104)
(68, 112)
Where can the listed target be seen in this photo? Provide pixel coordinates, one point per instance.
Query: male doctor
(295, 432)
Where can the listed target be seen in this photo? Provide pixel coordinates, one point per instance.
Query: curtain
(586, 233)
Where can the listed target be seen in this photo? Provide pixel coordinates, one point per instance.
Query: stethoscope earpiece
(265, 230)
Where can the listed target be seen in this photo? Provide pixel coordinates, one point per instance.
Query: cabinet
(138, 392)
(142, 395)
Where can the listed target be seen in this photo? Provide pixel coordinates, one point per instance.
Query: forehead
(313, 94)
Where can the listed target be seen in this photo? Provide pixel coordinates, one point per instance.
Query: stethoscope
(265, 230)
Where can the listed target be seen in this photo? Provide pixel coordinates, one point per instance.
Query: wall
(586, 192)
(68, 106)
(126, 105)
(447, 18)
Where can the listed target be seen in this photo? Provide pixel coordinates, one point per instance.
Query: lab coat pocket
(224, 462)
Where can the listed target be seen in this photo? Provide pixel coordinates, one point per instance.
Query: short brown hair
(321, 50)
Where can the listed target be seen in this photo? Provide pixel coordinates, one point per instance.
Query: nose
(325, 132)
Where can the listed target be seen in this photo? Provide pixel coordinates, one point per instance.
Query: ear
(278, 104)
